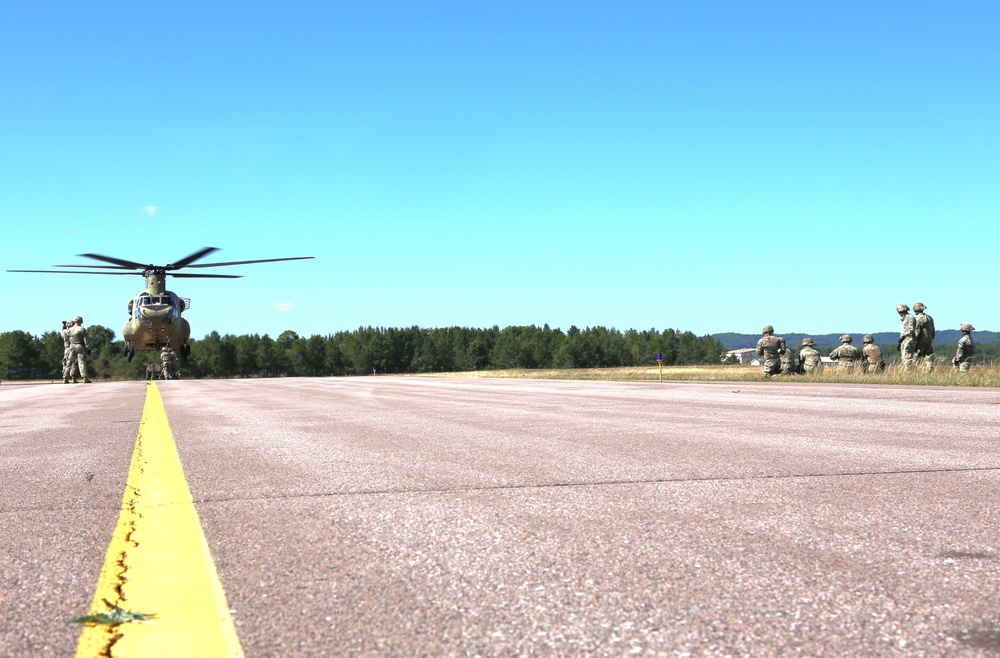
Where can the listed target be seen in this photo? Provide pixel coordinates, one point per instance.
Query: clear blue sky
(707, 166)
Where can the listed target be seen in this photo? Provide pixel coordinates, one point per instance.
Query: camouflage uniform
(788, 365)
(78, 348)
(769, 349)
(846, 355)
(169, 360)
(809, 357)
(872, 353)
(70, 369)
(907, 336)
(923, 337)
(966, 349)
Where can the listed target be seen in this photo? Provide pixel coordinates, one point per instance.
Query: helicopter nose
(154, 312)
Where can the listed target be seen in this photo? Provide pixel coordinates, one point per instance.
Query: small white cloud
(282, 307)
(150, 210)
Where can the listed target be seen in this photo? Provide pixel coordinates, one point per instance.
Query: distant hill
(733, 341)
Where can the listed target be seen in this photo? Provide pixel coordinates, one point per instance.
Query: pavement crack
(595, 483)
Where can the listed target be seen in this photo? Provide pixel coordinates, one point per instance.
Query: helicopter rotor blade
(248, 262)
(127, 264)
(74, 272)
(187, 260)
(206, 276)
(104, 267)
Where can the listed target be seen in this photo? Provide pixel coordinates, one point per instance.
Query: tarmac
(418, 516)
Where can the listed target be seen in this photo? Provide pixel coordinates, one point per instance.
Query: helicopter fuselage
(155, 321)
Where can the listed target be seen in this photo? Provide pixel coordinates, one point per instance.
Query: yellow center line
(158, 561)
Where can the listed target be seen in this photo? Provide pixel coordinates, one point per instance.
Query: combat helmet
(902, 308)
(808, 341)
(768, 329)
(919, 306)
(868, 338)
(846, 338)
(967, 327)
(78, 319)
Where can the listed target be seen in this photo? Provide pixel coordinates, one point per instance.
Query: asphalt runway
(413, 516)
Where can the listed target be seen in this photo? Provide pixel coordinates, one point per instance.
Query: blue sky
(708, 166)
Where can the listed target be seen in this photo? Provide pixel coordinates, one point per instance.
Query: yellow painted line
(158, 561)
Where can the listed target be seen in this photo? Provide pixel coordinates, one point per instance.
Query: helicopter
(155, 320)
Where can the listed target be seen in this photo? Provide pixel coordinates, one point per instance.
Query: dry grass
(987, 376)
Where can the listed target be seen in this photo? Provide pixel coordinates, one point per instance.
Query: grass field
(988, 376)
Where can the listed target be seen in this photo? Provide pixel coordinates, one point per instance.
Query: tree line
(367, 350)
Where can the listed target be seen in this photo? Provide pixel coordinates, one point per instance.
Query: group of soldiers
(169, 367)
(74, 351)
(916, 348)
(75, 355)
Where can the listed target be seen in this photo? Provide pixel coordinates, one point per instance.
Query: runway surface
(460, 517)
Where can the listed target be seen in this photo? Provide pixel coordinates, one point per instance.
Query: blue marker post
(659, 361)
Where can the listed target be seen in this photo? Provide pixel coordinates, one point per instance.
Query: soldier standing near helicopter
(77, 336)
(69, 366)
(169, 368)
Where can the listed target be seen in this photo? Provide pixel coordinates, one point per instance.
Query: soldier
(69, 365)
(966, 348)
(846, 355)
(809, 357)
(788, 364)
(872, 353)
(78, 349)
(770, 348)
(907, 335)
(169, 360)
(923, 346)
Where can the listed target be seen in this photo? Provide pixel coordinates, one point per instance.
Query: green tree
(51, 348)
(18, 355)
(100, 351)
(246, 349)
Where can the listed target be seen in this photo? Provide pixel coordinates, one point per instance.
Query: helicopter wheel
(129, 353)
(185, 351)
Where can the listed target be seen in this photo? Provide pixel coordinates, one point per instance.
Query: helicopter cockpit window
(145, 299)
(166, 299)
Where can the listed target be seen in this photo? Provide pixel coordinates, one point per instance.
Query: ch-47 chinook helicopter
(155, 318)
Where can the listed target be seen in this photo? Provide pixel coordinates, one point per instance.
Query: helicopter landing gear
(129, 352)
(185, 351)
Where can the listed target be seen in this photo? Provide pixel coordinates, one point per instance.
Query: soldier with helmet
(907, 336)
(788, 364)
(70, 367)
(923, 345)
(77, 336)
(809, 357)
(169, 368)
(872, 360)
(966, 348)
(770, 348)
(846, 355)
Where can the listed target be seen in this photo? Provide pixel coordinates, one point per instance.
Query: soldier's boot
(86, 380)
(75, 380)
(66, 379)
